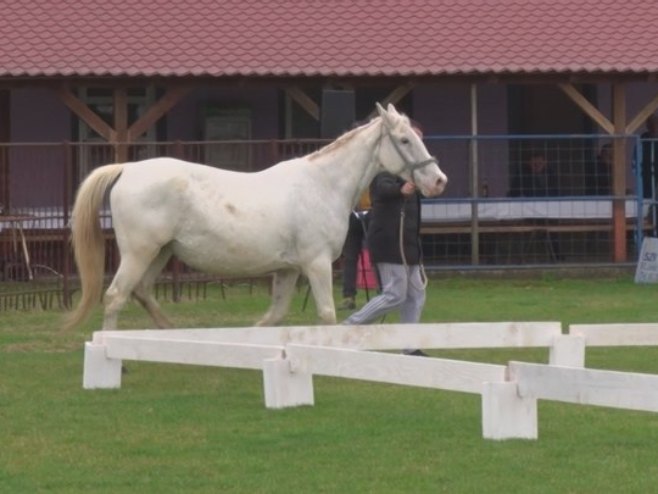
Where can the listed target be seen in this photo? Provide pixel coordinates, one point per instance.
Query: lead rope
(423, 275)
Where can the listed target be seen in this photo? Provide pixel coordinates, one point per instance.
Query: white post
(505, 415)
(284, 388)
(567, 351)
(100, 371)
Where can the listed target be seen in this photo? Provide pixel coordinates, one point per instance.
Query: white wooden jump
(248, 347)
(290, 356)
(509, 409)
(626, 334)
(288, 381)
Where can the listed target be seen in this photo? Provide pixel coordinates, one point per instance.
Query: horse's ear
(391, 109)
(387, 117)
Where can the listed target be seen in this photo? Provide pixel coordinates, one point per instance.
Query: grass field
(205, 430)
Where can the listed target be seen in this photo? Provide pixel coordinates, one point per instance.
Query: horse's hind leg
(283, 287)
(143, 292)
(131, 270)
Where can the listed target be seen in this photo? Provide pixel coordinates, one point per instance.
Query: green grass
(196, 429)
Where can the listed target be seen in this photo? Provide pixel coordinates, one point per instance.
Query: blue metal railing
(566, 145)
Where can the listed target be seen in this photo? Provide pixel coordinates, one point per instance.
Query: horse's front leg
(320, 277)
(283, 287)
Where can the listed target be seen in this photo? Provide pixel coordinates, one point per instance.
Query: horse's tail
(88, 241)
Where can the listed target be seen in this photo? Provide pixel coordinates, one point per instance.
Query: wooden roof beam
(582, 102)
(171, 97)
(80, 108)
(642, 116)
(395, 96)
(305, 101)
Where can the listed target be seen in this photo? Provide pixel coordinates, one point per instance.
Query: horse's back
(214, 219)
(169, 171)
(175, 182)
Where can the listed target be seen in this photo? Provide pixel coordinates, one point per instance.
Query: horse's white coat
(285, 220)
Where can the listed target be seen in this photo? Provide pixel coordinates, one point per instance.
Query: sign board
(647, 265)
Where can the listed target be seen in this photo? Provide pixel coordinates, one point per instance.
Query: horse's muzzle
(436, 188)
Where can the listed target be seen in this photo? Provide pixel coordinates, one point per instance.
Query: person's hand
(408, 189)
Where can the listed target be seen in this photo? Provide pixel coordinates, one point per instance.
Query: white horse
(288, 219)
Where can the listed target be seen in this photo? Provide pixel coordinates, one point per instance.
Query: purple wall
(445, 110)
(37, 115)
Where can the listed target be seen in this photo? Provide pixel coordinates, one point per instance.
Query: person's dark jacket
(384, 229)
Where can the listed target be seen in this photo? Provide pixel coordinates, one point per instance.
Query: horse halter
(412, 166)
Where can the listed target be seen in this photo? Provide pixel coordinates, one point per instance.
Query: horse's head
(403, 153)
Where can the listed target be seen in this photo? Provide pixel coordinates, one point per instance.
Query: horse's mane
(340, 141)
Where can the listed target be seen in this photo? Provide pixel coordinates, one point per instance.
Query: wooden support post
(619, 172)
(121, 124)
(5, 133)
(475, 178)
(67, 294)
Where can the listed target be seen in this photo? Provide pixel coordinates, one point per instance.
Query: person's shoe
(415, 353)
(347, 304)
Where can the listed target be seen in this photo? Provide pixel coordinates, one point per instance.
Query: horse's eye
(404, 140)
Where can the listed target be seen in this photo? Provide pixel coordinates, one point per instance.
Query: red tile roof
(326, 37)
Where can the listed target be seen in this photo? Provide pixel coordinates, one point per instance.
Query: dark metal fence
(497, 214)
(38, 183)
(483, 220)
